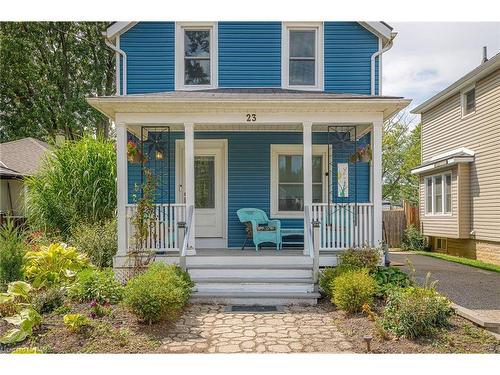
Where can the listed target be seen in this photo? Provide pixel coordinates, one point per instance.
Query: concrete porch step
(246, 272)
(254, 287)
(253, 280)
(256, 298)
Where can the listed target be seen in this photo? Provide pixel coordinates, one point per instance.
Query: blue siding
(249, 54)
(150, 57)
(249, 172)
(347, 53)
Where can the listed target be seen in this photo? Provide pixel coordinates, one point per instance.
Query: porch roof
(445, 160)
(224, 98)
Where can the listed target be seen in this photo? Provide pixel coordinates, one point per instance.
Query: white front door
(209, 187)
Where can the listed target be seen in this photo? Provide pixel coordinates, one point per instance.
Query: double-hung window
(287, 179)
(438, 194)
(196, 65)
(468, 101)
(303, 55)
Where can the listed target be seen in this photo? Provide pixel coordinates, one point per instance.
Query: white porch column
(122, 187)
(307, 165)
(189, 183)
(377, 181)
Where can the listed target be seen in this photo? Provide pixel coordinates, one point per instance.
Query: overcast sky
(428, 57)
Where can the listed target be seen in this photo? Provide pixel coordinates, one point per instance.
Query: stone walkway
(209, 329)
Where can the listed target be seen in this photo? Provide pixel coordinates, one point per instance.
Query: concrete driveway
(470, 287)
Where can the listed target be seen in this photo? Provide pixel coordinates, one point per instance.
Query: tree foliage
(47, 70)
(401, 153)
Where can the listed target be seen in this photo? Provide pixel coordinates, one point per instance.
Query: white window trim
(179, 54)
(443, 195)
(285, 54)
(295, 149)
(463, 103)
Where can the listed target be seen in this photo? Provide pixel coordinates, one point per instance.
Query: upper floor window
(196, 58)
(302, 60)
(438, 194)
(468, 101)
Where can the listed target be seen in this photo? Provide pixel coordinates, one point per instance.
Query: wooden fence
(396, 221)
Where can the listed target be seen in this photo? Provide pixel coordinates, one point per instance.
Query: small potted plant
(363, 154)
(134, 155)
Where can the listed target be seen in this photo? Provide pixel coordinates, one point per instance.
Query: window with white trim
(196, 57)
(468, 101)
(302, 60)
(287, 179)
(438, 194)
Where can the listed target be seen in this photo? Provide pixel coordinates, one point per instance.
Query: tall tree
(47, 70)
(401, 153)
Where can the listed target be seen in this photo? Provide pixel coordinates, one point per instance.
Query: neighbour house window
(196, 60)
(469, 101)
(428, 196)
(438, 194)
(302, 55)
(440, 243)
(287, 179)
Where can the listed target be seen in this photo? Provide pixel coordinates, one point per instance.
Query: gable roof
(476, 74)
(380, 28)
(22, 157)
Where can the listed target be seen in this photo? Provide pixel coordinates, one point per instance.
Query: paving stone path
(209, 329)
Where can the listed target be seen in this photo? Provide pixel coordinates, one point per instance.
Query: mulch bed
(120, 332)
(461, 337)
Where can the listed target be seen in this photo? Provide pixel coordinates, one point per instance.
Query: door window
(204, 181)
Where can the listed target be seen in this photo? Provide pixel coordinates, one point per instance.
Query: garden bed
(119, 332)
(461, 337)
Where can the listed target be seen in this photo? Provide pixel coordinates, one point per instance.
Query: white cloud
(427, 57)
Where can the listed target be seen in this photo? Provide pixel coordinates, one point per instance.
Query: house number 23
(251, 117)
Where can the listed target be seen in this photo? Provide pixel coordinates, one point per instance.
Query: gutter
(124, 72)
(387, 47)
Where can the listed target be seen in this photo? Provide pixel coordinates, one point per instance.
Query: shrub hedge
(158, 294)
(352, 289)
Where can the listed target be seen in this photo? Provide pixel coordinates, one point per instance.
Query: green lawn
(466, 261)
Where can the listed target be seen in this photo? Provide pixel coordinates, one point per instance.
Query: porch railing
(344, 225)
(164, 235)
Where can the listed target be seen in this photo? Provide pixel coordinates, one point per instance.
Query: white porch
(328, 227)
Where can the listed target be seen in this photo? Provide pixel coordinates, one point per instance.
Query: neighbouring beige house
(460, 171)
(18, 159)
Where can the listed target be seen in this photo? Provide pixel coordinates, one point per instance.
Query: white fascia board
(119, 28)
(378, 28)
(469, 79)
(454, 152)
(443, 164)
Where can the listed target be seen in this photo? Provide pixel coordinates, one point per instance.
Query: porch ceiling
(267, 100)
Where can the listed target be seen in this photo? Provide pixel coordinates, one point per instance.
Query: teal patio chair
(259, 228)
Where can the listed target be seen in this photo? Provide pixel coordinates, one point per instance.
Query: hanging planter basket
(363, 154)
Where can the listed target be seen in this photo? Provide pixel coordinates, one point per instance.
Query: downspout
(387, 47)
(124, 71)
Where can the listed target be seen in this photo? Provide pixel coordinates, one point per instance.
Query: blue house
(281, 118)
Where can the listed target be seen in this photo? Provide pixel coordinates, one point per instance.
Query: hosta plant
(53, 265)
(24, 316)
(27, 319)
(76, 323)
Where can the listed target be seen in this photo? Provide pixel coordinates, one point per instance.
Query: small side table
(287, 232)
